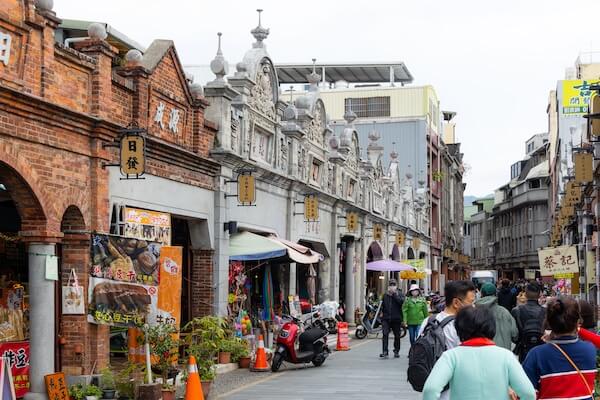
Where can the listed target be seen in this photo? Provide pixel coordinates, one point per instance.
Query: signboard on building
(378, 232)
(400, 238)
(132, 155)
(56, 386)
(246, 190)
(576, 96)
(584, 167)
(558, 260)
(530, 274)
(16, 355)
(416, 243)
(147, 225)
(311, 208)
(417, 264)
(595, 122)
(590, 267)
(351, 221)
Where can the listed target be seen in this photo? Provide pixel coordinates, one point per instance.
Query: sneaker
(383, 355)
(396, 354)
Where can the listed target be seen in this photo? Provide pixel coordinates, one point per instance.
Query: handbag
(72, 296)
(587, 385)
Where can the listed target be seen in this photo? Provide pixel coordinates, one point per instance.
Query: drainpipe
(68, 41)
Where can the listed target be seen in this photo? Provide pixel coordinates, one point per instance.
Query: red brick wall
(203, 295)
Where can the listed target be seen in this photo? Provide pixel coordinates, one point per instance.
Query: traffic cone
(193, 387)
(260, 365)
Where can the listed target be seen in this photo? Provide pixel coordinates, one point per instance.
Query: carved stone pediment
(262, 95)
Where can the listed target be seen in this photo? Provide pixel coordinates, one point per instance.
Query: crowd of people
(510, 342)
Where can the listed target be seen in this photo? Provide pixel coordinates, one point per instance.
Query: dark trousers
(413, 332)
(394, 326)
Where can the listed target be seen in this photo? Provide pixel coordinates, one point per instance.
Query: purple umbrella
(388, 265)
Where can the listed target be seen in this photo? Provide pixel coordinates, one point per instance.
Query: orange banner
(169, 288)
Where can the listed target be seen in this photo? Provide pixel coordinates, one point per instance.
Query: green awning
(247, 246)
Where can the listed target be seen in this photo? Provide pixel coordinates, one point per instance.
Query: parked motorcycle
(371, 322)
(300, 343)
(329, 311)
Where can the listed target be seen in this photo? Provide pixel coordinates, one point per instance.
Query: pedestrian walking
(564, 367)
(477, 369)
(506, 296)
(391, 318)
(506, 326)
(427, 349)
(414, 311)
(530, 320)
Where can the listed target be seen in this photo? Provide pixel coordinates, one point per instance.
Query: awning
(388, 265)
(247, 246)
(319, 247)
(297, 252)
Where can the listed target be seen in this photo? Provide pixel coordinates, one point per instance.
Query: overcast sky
(493, 62)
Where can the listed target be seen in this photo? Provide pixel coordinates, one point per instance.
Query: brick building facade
(60, 106)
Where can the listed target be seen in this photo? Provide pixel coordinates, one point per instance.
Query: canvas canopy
(248, 246)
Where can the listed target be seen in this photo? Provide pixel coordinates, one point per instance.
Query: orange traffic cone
(260, 365)
(193, 388)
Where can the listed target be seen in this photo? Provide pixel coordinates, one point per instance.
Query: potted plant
(226, 348)
(76, 392)
(207, 375)
(164, 347)
(241, 353)
(107, 383)
(92, 392)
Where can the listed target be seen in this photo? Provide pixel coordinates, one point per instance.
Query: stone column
(293, 285)
(221, 269)
(349, 282)
(41, 304)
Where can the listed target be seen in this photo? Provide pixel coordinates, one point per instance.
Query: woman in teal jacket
(477, 369)
(414, 311)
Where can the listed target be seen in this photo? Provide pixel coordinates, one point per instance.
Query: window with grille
(368, 107)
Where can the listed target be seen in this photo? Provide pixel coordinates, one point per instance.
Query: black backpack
(426, 350)
(531, 331)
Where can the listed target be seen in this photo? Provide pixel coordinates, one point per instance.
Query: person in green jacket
(478, 369)
(414, 311)
(507, 331)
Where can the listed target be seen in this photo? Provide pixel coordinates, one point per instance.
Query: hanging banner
(311, 208)
(378, 232)
(132, 155)
(400, 238)
(584, 167)
(169, 289)
(412, 275)
(16, 355)
(246, 190)
(147, 225)
(351, 221)
(558, 260)
(124, 259)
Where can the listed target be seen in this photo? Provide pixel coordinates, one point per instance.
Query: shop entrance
(375, 279)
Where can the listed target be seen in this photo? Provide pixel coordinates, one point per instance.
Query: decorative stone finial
(189, 78)
(97, 31)
(313, 78)
(219, 65)
(196, 90)
(44, 5)
(374, 136)
(349, 116)
(409, 174)
(133, 57)
(394, 155)
(303, 102)
(334, 142)
(259, 32)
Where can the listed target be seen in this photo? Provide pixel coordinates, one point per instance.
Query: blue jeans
(413, 332)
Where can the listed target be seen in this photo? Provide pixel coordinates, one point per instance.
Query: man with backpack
(530, 321)
(438, 334)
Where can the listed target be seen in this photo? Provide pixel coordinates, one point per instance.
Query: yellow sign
(417, 264)
(400, 238)
(412, 275)
(584, 167)
(311, 208)
(416, 243)
(564, 276)
(572, 194)
(246, 189)
(576, 96)
(595, 110)
(56, 386)
(558, 260)
(152, 226)
(351, 221)
(133, 155)
(377, 232)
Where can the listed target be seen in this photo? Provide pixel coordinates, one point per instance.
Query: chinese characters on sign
(558, 260)
(584, 171)
(133, 155)
(16, 355)
(147, 225)
(311, 208)
(174, 116)
(400, 238)
(595, 128)
(351, 221)
(416, 243)
(5, 41)
(378, 232)
(246, 190)
(576, 96)
(56, 386)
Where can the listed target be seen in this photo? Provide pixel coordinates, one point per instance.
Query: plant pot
(168, 394)
(91, 397)
(244, 362)
(206, 385)
(224, 357)
(109, 394)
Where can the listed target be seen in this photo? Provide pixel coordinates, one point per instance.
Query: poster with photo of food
(125, 259)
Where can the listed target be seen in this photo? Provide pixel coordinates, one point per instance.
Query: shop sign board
(246, 189)
(133, 155)
(530, 274)
(351, 221)
(417, 264)
(147, 225)
(416, 243)
(311, 208)
(576, 96)
(584, 171)
(590, 267)
(558, 260)
(400, 238)
(56, 386)
(378, 232)
(412, 275)
(16, 355)
(595, 123)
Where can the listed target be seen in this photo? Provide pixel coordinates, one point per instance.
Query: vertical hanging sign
(416, 243)
(351, 221)
(584, 171)
(311, 208)
(400, 238)
(132, 154)
(377, 232)
(246, 189)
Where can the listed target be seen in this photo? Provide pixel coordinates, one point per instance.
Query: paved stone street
(356, 374)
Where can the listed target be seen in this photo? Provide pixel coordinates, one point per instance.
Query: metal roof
(78, 28)
(349, 72)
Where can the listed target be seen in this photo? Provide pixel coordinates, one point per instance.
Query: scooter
(371, 322)
(329, 311)
(298, 345)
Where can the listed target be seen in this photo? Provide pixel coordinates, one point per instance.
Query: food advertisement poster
(16, 355)
(147, 225)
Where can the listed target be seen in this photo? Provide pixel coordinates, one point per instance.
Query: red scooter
(299, 346)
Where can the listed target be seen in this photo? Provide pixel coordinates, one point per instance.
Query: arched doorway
(410, 254)
(375, 280)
